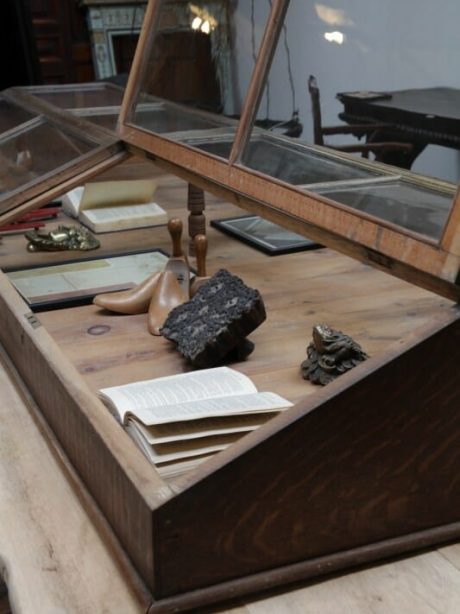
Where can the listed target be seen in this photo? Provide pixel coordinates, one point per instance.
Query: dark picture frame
(69, 283)
(263, 235)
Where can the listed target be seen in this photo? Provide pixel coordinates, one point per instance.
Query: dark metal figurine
(330, 354)
(60, 239)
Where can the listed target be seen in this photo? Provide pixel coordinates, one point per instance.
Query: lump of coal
(212, 326)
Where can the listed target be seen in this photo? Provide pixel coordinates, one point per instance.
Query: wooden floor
(51, 555)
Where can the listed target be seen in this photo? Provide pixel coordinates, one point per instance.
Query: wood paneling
(62, 41)
(17, 45)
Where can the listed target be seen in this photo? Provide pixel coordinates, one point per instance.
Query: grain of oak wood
(329, 287)
(377, 307)
(54, 557)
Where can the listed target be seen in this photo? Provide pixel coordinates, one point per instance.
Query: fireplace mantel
(108, 19)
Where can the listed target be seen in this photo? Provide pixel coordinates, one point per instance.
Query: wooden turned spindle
(201, 248)
(196, 219)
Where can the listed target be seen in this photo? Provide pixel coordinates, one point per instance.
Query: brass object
(330, 354)
(60, 239)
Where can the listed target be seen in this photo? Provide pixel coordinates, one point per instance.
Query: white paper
(146, 396)
(216, 406)
(206, 427)
(179, 467)
(167, 452)
(71, 201)
(111, 193)
(123, 217)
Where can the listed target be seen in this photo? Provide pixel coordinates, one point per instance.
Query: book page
(167, 452)
(70, 201)
(233, 404)
(168, 468)
(206, 427)
(110, 193)
(123, 217)
(167, 393)
(174, 469)
(109, 214)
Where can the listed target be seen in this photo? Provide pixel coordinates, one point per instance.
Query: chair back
(316, 110)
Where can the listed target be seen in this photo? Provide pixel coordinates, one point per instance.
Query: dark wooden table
(418, 116)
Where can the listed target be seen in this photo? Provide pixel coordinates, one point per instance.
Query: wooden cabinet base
(362, 469)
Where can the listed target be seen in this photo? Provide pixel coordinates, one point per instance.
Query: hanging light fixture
(202, 20)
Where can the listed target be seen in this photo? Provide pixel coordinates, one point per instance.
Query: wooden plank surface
(53, 558)
(51, 551)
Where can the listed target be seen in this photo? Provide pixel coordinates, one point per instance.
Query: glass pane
(107, 119)
(351, 47)
(202, 57)
(26, 155)
(403, 51)
(163, 118)
(407, 205)
(12, 116)
(283, 104)
(297, 164)
(80, 96)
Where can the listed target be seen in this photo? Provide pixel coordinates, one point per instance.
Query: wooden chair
(381, 150)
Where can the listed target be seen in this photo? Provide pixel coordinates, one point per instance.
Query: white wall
(388, 45)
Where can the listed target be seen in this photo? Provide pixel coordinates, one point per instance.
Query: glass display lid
(243, 135)
(213, 96)
(46, 148)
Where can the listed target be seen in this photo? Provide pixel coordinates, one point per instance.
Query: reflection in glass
(163, 118)
(264, 235)
(294, 163)
(28, 154)
(202, 57)
(410, 206)
(12, 115)
(284, 103)
(369, 45)
(81, 96)
(107, 118)
(303, 49)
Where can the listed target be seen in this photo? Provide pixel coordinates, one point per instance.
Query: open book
(180, 420)
(106, 206)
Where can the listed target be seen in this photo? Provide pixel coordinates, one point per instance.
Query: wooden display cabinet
(363, 469)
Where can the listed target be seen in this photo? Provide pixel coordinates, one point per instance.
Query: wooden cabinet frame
(107, 150)
(251, 517)
(429, 263)
(364, 469)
